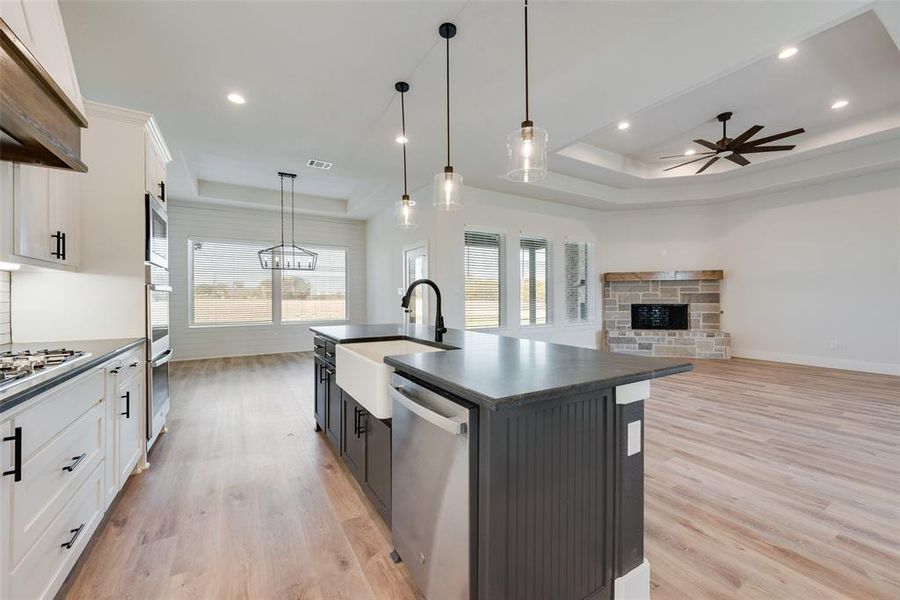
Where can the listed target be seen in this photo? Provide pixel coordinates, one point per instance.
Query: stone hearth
(703, 338)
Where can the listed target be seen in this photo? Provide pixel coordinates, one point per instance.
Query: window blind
(485, 290)
(578, 289)
(533, 277)
(227, 283)
(319, 295)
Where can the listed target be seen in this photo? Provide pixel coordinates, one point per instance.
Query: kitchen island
(552, 470)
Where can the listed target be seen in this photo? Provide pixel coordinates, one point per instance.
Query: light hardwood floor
(762, 481)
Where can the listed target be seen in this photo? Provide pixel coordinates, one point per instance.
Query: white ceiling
(318, 78)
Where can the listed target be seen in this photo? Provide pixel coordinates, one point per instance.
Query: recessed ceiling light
(236, 98)
(623, 125)
(401, 139)
(839, 104)
(787, 53)
(690, 152)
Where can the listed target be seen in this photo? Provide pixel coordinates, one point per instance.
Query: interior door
(415, 266)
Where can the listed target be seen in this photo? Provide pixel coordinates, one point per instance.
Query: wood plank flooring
(762, 481)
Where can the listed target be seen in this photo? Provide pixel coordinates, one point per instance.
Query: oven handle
(156, 287)
(162, 359)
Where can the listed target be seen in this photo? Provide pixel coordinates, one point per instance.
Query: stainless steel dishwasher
(432, 488)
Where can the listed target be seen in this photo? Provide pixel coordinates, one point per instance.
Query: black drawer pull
(15, 438)
(63, 246)
(358, 427)
(127, 413)
(134, 364)
(77, 460)
(75, 533)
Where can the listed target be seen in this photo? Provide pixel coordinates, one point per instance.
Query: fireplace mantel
(704, 275)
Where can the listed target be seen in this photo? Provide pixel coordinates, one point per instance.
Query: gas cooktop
(18, 366)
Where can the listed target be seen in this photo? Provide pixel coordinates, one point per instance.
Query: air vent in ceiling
(319, 164)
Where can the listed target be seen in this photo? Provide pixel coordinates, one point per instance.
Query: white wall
(216, 222)
(805, 270)
(444, 231)
(4, 307)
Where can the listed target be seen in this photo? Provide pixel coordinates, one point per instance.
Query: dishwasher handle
(454, 425)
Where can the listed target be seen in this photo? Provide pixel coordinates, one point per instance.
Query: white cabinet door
(129, 420)
(64, 213)
(31, 212)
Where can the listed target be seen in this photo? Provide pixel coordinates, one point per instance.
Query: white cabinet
(154, 168)
(79, 443)
(46, 218)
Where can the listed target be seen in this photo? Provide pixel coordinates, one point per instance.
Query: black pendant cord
(405, 141)
(527, 117)
(293, 246)
(282, 210)
(448, 101)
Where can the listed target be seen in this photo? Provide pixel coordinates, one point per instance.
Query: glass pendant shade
(526, 150)
(448, 190)
(405, 214)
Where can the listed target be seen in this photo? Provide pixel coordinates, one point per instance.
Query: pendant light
(404, 209)
(287, 257)
(526, 147)
(448, 185)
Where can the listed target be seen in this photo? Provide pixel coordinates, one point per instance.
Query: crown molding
(131, 117)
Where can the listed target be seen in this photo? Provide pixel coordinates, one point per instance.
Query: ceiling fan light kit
(734, 149)
(448, 184)
(404, 209)
(526, 147)
(287, 257)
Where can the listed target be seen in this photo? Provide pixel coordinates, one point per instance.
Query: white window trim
(548, 284)
(276, 289)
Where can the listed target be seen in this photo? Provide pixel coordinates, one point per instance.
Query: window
(578, 282)
(319, 295)
(534, 276)
(415, 263)
(485, 274)
(228, 287)
(227, 284)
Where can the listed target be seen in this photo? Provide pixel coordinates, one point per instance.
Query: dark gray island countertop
(100, 351)
(499, 371)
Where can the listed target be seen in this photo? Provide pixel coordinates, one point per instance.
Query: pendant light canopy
(287, 257)
(404, 209)
(448, 184)
(526, 147)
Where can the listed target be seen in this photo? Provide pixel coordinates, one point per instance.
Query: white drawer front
(46, 565)
(56, 409)
(46, 486)
(132, 365)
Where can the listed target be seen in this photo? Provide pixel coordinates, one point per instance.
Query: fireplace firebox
(659, 316)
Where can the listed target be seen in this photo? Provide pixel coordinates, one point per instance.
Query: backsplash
(4, 307)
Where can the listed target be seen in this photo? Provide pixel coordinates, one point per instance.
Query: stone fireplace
(664, 313)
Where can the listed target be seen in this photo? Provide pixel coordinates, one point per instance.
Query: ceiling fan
(734, 149)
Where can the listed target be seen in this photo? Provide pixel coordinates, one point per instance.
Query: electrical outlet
(834, 345)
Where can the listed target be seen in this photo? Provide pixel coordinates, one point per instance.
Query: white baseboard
(635, 584)
(819, 361)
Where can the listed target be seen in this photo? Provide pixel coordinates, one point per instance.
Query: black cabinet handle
(75, 533)
(77, 460)
(15, 438)
(162, 190)
(63, 245)
(127, 412)
(134, 364)
(358, 427)
(58, 252)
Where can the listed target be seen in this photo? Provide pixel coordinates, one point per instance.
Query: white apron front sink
(361, 371)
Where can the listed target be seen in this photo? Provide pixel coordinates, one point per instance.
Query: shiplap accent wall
(4, 307)
(216, 222)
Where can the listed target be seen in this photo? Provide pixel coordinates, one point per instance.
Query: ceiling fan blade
(684, 155)
(777, 136)
(685, 163)
(745, 150)
(706, 144)
(708, 165)
(737, 158)
(744, 137)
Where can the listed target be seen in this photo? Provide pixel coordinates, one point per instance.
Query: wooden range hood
(40, 124)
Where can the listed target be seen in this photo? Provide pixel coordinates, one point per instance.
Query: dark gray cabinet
(320, 375)
(378, 465)
(354, 437)
(333, 411)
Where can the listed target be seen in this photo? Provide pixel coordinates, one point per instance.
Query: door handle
(454, 425)
(15, 438)
(58, 252)
(75, 533)
(127, 413)
(77, 460)
(162, 359)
